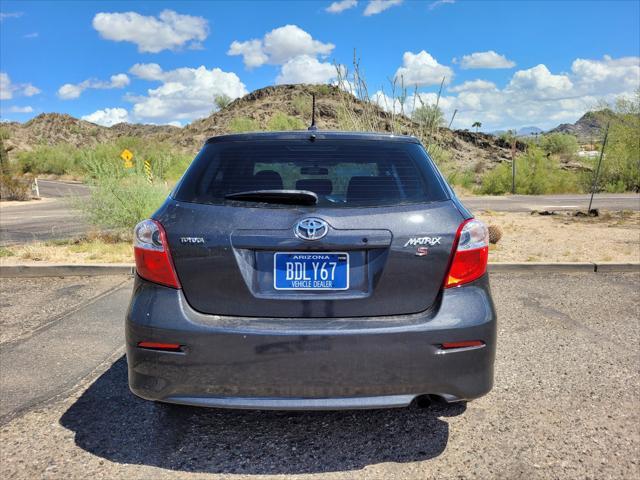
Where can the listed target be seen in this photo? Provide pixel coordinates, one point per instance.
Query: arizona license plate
(311, 271)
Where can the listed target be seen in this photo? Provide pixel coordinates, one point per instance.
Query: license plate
(311, 271)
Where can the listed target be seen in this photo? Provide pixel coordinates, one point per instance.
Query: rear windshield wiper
(286, 197)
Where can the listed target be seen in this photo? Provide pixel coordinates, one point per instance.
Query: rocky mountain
(589, 127)
(528, 131)
(256, 111)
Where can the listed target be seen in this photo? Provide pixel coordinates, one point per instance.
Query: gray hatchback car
(311, 270)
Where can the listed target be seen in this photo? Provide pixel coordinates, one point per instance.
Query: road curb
(90, 270)
(617, 267)
(58, 270)
(545, 267)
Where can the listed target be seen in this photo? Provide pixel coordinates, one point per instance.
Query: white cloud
(108, 117)
(341, 6)
(473, 86)
(411, 102)
(375, 7)
(607, 75)
(534, 96)
(69, 91)
(540, 81)
(422, 69)
(167, 31)
(488, 59)
(147, 71)
(16, 109)
(306, 69)
(439, 3)
(252, 52)
(8, 90)
(31, 35)
(5, 15)
(185, 93)
(279, 46)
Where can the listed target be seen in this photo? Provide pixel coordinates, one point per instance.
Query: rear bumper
(267, 363)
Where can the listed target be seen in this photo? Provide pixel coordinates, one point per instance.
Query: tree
(477, 126)
(429, 116)
(222, 101)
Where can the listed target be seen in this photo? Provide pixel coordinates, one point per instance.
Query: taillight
(153, 260)
(471, 253)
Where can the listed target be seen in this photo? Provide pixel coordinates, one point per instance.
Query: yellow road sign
(127, 158)
(126, 155)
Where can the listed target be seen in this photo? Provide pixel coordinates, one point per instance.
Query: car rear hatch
(377, 241)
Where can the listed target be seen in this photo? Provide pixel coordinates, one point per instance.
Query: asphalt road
(52, 218)
(565, 402)
(528, 203)
(55, 218)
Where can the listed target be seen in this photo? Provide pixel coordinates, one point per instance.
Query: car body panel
(228, 360)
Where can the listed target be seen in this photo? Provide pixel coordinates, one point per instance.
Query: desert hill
(257, 110)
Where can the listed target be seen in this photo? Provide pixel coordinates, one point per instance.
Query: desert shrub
(282, 122)
(620, 169)
(559, 144)
(536, 174)
(302, 105)
(243, 124)
(222, 101)
(119, 203)
(56, 160)
(429, 116)
(14, 188)
(465, 179)
(104, 159)
(324, 89)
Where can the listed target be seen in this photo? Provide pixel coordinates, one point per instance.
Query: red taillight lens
(471, 253)
(463, 344)
(170, 347)
(153, 259)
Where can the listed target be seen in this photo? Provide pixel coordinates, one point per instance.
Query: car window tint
(342, 173)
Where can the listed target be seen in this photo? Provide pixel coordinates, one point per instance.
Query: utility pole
(513, 163)
(595, 178)
(452, 117)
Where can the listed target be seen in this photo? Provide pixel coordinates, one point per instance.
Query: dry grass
(85, 251)
(612, 237)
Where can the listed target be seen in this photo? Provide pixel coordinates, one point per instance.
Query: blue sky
(506, 64)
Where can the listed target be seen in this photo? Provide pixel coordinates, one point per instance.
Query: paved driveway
(565, 403)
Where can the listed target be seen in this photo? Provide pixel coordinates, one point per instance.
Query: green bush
(465, 179)
(283, 122)
(302, 104)
(559, 144)
(429, 116)
(536, 174)
(243, 124)
(56, 160)
(222, 101)
(104, 159)
(118, 204)
(620, 169)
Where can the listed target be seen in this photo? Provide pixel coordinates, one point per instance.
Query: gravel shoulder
(611, 237)
(565, 405)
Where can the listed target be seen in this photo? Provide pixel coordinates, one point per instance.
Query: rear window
(342, 173)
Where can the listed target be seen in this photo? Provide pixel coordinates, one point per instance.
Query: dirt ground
(611, 237)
